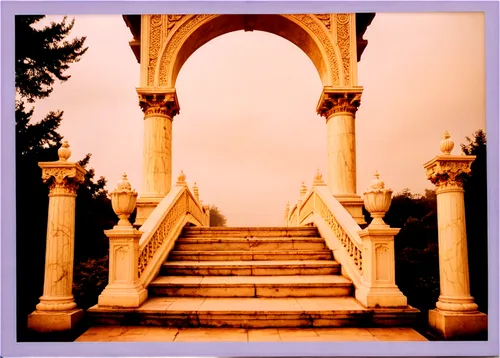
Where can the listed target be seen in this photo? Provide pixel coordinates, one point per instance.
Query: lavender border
(7, 183)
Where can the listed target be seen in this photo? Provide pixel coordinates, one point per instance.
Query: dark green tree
(42, 57)
(216, 217)
(476, 216)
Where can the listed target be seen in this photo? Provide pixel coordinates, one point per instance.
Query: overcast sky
(248, 133)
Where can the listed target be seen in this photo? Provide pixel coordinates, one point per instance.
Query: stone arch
(186, 33)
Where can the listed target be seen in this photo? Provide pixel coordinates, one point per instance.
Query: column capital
(155, 100)
(448, 171)
(339, 100)
(63, 177)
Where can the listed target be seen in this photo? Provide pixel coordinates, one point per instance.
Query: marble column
(57, 309)
(159, 107)
(456, 314)
(339, 107)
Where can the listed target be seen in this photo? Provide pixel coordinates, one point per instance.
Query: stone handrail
(163, 227)
(336, 226)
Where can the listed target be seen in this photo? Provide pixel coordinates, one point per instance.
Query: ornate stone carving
(377, 200)
(318, 179)
(172, 21)
(325, 19)
(62, 176)
(174, 43)
(165, 104)
(155, 37)
(325, 39)
(448, 174)
(340, 102)
(344, 43)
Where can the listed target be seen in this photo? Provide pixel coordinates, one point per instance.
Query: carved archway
(325, 38)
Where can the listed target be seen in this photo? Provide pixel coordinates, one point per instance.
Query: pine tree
(42, 57)
(476, 216)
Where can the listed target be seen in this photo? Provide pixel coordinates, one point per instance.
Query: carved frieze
(325, 19)
(155, 37)
(344, 43)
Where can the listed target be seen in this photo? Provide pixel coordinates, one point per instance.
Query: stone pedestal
(57, 310)
(379, 269)
(124, 288)
(378, 263)
(339, 107)
(456, 314)
(159, 107)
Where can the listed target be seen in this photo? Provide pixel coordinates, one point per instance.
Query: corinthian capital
(447, 171)
(63, 177)
(335, 100)
(158, 101)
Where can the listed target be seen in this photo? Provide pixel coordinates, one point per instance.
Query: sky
(248, 133)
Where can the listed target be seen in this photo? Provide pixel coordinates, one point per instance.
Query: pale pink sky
(248, 133)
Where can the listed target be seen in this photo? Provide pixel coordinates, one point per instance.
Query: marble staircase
(252, 277)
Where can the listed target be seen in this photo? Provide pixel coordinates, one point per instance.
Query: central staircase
(252, 277)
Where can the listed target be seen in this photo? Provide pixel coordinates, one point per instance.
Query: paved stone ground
(170, 334)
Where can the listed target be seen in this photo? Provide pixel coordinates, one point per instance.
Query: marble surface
(173, 334)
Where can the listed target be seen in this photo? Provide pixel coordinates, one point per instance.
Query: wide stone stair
(252, 277)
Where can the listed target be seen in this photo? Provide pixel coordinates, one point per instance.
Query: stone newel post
(456, 314)
(379, 265)
(159, 107)
(339, 107)
(57, 310)
(124, 288)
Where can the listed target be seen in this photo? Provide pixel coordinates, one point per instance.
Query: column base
(145, 207)
(458, 324)
(354, 205)
(130, 296)
(380, 297)
(54, 321)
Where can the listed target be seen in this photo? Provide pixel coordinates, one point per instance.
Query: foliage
(216, 217)
(476, 213)
(42, 57)
(90, 279)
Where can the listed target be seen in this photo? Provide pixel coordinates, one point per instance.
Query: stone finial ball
(64, 152)
(447, 144)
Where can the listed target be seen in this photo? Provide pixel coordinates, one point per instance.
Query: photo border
(8, 345)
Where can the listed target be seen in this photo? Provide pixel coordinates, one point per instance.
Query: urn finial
(181, 179)
(377, 200)
(303, 189)
(447, 144)
(64, 152)
(318, 179)
(123, 200)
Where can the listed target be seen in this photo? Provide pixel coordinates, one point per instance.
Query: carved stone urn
(123, 200)
(377, 200)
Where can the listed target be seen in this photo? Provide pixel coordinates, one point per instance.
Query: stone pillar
(456, 314)
(378, 263)
(57, 310)
(159, 107)
(124, 288)
(339, 107)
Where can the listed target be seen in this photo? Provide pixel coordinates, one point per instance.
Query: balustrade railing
(163, 226)
(366, 256)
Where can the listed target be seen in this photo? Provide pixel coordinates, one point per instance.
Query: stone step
(253, 312)
(250, 232)
(279, 255)
(251, 286)
(249, 244)
(250, 268)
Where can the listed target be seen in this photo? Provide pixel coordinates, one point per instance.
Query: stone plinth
(123, 289)
(159, 107)
(339, 107)
(456, 314)
(57, 309)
